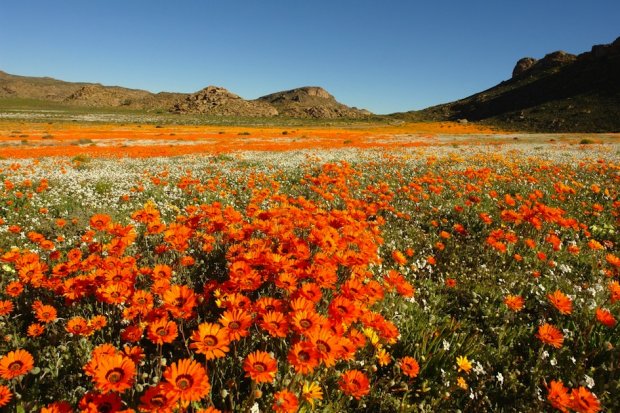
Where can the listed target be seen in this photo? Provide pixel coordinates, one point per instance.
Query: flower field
(357, 270)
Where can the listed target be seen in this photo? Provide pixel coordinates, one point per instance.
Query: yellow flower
(383, 357)
(463, 364)
(461, 383)
(311, 392)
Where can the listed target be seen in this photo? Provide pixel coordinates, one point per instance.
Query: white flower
(255, 408)
(589, 381)
(446, 345)
(500, 379)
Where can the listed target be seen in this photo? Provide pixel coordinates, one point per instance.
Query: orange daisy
(303, 357)
(548, 334)
(354, 383)
(114, 373)
(558, 395)
(16, 363)
(237, 323)
(285, 401)
(35, 330)
(560, 301)
(584, 401)
(157, 400)
(162, 331)
(327, 345)
(78, 326)
(260, 367)
(6, 307)
(410, 366)
(514, 302)
(605, 317)
(180, 300)
(186, 380)
(274, 322)
(306, 321)
(5, 395)
(211, 340)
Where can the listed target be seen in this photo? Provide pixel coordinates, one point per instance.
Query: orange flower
(100, 222)
(583, 401)
(306, 321)
(186, 380)
(14, 288)
(157, 400)
(561, 302)
(45, 313)
(180, 300)
(303, 357)
(237, 323)
(211, 340)
(285, 401)
(327, 345)
(514, 302)
(162, 331)
(114, 373)
(399, 257)
(410, 366)
(274, 322)
(614, 289)
(548, 334)
(6, 307)
(343, 310)
(605, 317)
(260, 367)
(35, 330)
(354, 383)
(450, 282)
(558, 395)
(57, 407)
(16, 363)
(98, 322)
(5, 395)
(78, 326)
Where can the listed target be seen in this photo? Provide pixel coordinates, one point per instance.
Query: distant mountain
(305, 102)
(311, 102)
(218, 101)
(83, 94)
(560, 92)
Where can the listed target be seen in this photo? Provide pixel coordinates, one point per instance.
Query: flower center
(260, 367)
(184, 382)
(16, 366)
(322, 346)
(210, 341)
(304, 356)
(234, 325)
(305, 323)
(115, 375)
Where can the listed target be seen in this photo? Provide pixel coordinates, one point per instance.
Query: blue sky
(386, 56)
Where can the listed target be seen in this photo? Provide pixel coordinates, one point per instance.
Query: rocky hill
(83, 94)
(560, 92)
(218, 101)
(305, 102)
(311, 102)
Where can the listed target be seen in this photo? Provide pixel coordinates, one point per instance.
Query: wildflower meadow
(367, 277)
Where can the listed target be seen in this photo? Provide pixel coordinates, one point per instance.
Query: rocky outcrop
(311, 102)
(561, 92)
(523, 65)
(218, 101)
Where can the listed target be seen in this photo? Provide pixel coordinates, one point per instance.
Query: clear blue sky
(385, 56)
